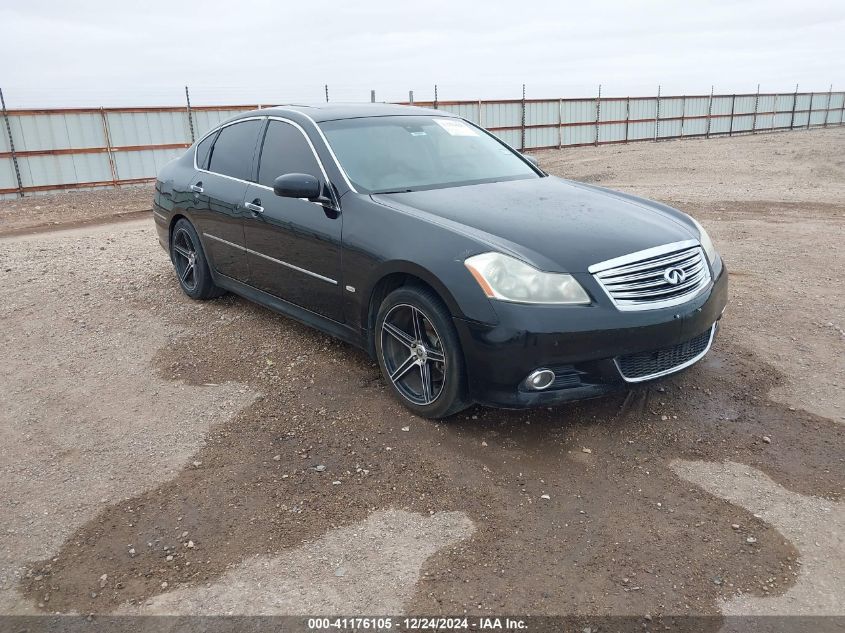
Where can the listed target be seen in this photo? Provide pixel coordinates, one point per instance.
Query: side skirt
(311, 319)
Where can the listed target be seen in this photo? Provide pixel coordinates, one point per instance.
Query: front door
(293, 245)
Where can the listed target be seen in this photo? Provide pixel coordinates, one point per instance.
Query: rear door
(218, 188)
(294, 245)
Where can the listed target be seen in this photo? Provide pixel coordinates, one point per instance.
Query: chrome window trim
(250, 182)
(331, 152)
(217, 129)
(671, 370)
(272, 259)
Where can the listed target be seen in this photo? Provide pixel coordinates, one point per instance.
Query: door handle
(197, 188)
(252, 206)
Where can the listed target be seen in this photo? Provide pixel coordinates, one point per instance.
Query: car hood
(556, 225)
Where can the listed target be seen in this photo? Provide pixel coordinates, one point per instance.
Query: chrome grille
(644, 280)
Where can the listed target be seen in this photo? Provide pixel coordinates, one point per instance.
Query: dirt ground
(160, 455)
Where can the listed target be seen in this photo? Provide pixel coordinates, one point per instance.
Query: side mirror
(297, 186)
(531, 160)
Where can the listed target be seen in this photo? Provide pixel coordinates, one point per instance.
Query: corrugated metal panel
(744, 105)
(697, 106)
(541, 137)
(57, 131)
(643, 109)
(64, 169)
(783, 103)
(743, 123)
(613, 111)
(468, 111)
(612, 132)
(764, 121)
(148, 128)
(720, 125)
(671, 108)
(501, 115)
(579, 134)
(579, 111)
(803, 102)
(640, 131)
(722, 105)
(695, 127)
(782, 119)
(669, 128)
(144, 163)
(7, 174)
(541, 113)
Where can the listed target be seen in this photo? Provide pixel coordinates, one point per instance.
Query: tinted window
(233, 151)
(202, 151)
(285, 151)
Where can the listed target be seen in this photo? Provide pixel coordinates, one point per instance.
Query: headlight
(706, 242)
(508, 279)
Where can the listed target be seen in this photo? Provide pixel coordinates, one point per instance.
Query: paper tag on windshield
(456, 127)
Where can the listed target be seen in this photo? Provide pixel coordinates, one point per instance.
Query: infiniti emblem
(674, 276)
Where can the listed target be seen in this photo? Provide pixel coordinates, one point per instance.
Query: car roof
(333, 111)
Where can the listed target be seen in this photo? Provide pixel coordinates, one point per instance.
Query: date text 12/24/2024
(415, 624)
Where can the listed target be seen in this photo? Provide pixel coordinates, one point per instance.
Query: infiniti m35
(466, 271)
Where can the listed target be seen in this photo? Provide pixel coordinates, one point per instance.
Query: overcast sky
(113, 52)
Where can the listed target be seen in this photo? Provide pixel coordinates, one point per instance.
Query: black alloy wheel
(190, 264)
(419, 353)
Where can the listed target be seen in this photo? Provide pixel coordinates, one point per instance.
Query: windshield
(409, 153)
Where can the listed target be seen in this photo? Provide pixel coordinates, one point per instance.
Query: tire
(190, 263)
(414, 340)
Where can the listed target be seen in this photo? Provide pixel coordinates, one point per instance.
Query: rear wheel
(190, 264)
(419, 353)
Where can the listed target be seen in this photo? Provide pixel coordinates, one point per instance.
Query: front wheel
(419, 353)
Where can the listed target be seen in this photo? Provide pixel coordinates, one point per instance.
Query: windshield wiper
(397, 191)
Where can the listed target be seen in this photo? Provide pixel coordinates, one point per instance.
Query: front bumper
(579, 343)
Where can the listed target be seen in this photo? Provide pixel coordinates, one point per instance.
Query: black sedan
(465, 270)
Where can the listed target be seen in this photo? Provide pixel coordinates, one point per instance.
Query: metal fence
(57, 149)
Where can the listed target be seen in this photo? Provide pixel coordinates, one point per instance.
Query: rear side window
(234, 148)
(203, 151)
(285, 151)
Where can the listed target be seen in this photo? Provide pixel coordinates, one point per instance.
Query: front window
(410, 153)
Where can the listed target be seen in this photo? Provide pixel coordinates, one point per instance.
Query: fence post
(411, 97)
(733, 108)
(756, 103)
(827, 107)
(657, 117)
(560, 123)
(190, 114)
(774, 111)
(372, 96)
(627, 116)
(12, 145)
(598, 115)
(810, 111)
(842, 112)
(522, 142)
(435, 97)
(326, 87)
(108, 146)
(683, 113)
(794, 104)
(709, 113)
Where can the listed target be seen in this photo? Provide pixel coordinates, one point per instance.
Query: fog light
(540, 379)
